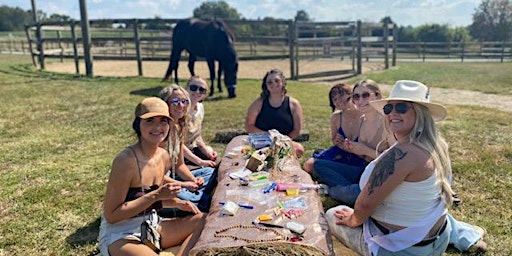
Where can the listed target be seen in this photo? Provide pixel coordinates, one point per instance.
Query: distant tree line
(492, 21)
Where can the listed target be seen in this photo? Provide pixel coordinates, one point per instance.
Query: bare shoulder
(335, 116)
(124, 162)
(294, 101)
(256, 104)
(412, 157)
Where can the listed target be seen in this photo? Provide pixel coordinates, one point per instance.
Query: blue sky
(404, 12)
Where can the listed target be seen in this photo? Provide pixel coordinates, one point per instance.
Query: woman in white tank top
(406, 191)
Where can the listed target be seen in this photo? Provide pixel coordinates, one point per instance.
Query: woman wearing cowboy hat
(405, 193)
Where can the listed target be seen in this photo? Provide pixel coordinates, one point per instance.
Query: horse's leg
(173, 64)
(211, 67)
(191, 63)
(219, 75)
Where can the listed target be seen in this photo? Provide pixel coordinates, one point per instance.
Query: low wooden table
(237, 235)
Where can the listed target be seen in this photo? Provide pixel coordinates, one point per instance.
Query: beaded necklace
(279, 236)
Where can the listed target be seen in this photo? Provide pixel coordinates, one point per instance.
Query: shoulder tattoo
(385, 167)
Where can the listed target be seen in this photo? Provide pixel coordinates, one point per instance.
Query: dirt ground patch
(247, 69)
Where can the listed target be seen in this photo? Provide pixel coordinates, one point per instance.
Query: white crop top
(409, 203)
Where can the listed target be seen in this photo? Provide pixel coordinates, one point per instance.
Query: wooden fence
(286, 39)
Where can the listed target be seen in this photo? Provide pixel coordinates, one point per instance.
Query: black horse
(211, 40)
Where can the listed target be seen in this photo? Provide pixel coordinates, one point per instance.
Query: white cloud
(403, 12)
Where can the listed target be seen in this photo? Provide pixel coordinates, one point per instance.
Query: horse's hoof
(231, 93)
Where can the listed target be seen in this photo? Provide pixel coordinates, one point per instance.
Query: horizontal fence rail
(255, 40)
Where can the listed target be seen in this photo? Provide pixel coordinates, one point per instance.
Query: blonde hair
(425, 135)
(165, 94)
(197, 78)
(370, 84)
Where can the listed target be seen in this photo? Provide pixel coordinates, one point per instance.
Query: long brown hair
(338, 89)
(264, 90)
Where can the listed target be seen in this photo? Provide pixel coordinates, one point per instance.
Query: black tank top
(279, 118)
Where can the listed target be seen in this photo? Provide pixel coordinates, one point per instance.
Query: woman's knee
(308, 165)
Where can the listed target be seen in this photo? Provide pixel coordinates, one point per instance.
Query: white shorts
(126, 229)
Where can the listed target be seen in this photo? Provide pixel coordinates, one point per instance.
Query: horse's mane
(222, 25)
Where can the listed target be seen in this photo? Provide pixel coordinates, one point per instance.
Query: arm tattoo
(385, 167)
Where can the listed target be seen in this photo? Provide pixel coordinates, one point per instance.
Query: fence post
(137, 45)
(395, 39)
(86, 39)
(359, 48)
(463, 51)
(423, 50)
(59, 36)
(386, 44)
(40, 46)
(30, 48)
(75, 48)
(291, 44)
(502, 50)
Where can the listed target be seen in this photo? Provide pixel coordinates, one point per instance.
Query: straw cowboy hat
(412, 91)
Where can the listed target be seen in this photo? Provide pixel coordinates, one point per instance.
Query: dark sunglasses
(270, 81)
(177, 101)
(195, 88)
(401, 108)
(364, 95)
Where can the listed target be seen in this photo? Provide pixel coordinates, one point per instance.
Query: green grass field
(59, 134)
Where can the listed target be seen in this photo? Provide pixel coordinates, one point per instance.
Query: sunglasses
(364, 95)
(177, 101)
(270, 81)
(401, 108)
(196, 88)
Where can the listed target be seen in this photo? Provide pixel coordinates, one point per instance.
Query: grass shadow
(86, 235)
(148, 92)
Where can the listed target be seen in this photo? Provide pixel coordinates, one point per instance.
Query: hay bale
(225, 136)
(263, 249)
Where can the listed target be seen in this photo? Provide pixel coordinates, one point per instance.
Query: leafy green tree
(460, 34)
(492, 21)
(406, 34)
(58, 17)
(12, 19)
(157, 24)
(302, 16)
(216, 9)
(433, 33)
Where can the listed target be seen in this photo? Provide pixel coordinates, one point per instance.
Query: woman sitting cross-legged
(359, 146)
(273, 109)
(199, 183)
(138, 184)
(345, 121)
(405, 193)
(196, 151)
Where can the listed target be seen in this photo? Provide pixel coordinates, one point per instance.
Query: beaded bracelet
(280, 236)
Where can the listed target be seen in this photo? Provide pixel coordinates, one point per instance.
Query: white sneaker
(323, 189)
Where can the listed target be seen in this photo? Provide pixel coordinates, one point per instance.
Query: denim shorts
(126, 229)
(353, 238)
